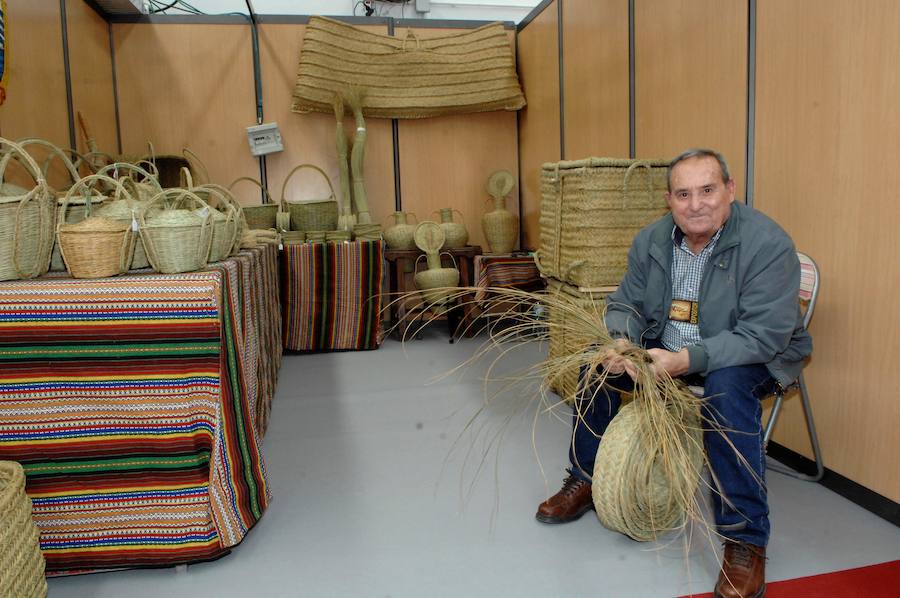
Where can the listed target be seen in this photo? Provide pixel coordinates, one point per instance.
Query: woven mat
(406, 76)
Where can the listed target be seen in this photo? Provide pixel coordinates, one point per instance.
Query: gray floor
(378, 493)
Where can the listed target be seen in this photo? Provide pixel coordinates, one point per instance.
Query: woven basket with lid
(176, 229)
(96, 247)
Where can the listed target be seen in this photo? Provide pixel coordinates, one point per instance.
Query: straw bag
(21, 561)
(224, 200)
(224, 222)
(127, 209)
(408, 77)
(262, 216)
(96, 247)
(311, 215)
(590, 212)
(27, 218)
(176, 239)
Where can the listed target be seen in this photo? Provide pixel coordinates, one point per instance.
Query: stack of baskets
(591, 210)
(27, 218)
(21, 561)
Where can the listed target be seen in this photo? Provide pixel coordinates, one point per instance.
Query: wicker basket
(311, 215)
(21, 561)
(96, 247)
(590, 212)
(224, 221)
(177, 239)
(262, 216)
(563, 343)
(27, 219)
(367, 232)
(127, 210)
(223, 198)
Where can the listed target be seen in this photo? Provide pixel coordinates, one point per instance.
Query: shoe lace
(741, 555)
(572, 484)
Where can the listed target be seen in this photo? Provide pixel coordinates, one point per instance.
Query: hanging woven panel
(591, 210)
(407, 76)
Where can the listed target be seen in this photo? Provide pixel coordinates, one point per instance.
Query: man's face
(700, 201)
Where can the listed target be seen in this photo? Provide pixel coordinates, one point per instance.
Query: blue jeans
(734, 404)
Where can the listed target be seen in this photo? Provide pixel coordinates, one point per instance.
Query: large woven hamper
(21, 561)
(564, 342)
(591, 210)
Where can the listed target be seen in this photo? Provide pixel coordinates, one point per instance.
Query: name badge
(684, 311)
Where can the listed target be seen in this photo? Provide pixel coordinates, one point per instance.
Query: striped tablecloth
(504, 271)
(134, 404)
(332, 295)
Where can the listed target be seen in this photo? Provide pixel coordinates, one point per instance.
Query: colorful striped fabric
(332, 295)
(503, 271)
(132, 403)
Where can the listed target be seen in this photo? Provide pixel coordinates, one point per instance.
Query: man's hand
(615, 363)
(675, 363)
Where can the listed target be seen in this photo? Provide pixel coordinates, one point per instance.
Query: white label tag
(134, 223)
(203, 212)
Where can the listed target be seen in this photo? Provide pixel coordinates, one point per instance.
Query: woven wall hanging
(407, 76)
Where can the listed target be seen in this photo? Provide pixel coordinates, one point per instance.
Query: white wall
(485, 10)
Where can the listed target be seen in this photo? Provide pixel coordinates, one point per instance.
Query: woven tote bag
(21, 562)
(407, 77)
(27, 218)
(590, 212)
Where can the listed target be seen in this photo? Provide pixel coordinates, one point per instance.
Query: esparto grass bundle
(649, 464)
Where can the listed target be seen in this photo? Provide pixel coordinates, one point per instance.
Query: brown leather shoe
(570, 503)
(743, 572)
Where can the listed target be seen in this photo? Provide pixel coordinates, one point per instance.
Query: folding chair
(809, 292)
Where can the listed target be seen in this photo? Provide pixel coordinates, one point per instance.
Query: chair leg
(811, 429)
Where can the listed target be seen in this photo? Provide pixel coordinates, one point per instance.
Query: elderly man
(711, 292)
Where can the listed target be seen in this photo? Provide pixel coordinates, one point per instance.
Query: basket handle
(629, 172)
(185, 178)
(301, 166)
(452, 259)
(18, 152)
(55, 151)
(410, 34)
(255, 182)
(193, 159)
(86, 185)
(229, 198)
(416, 265)
(114, 168)
(233, 213)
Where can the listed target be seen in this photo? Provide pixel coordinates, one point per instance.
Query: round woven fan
(500, 183)
(429, 237)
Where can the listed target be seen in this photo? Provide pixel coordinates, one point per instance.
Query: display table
(136, 405)
(400, 284)
(332, 295)
(505, 271)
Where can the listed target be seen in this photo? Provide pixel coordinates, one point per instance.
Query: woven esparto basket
(622, 459)
(124, 209)
(21, 561)
(316, 214)
(223, 216)
(407, 76)
(222, 199)
(27, 218)
(563, 341)
(96, 247)
(177, 239)
(590, 212)
(262, 216)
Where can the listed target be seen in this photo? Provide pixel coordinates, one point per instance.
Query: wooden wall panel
(310, 138)
(92, 82)
(691, 79)
(445, 161)
(595, 78)
(36, 87)
(826, 148)
(188, 86)
(539, 124)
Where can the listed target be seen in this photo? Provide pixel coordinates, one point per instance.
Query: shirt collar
(678, 237)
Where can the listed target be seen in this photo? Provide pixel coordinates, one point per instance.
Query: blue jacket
(748, 302)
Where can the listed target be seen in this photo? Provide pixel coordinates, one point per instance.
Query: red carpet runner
(874, 581)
